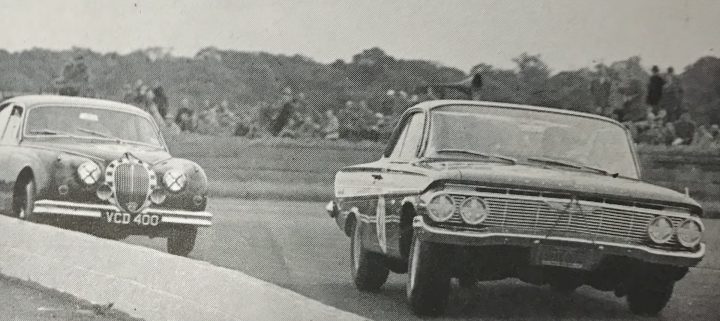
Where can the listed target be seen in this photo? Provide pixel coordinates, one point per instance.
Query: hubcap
(357, 247)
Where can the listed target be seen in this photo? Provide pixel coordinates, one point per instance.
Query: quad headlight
(689, 233)
(89, 172)
(174, 180)
(660, 230)
(473, 210)
(441, 207)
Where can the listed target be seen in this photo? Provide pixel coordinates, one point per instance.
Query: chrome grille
(536, 217)
(132, 183)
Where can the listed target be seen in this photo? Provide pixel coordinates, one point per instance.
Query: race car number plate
(127, 218)
(567, 257)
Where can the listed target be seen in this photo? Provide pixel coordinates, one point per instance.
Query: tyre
(181, 242)
(649, 298)
(428, 283)
(564, 286)
(368, 269)
(24, 200)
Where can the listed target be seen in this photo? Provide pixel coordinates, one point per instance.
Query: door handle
(377, 177)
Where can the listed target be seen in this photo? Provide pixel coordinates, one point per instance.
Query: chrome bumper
(429, 233)
(167, 216)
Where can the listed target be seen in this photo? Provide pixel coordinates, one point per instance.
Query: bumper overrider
(426, 232)
(112, 214)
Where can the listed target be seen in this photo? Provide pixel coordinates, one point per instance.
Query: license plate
(559, 256)
(134, 219)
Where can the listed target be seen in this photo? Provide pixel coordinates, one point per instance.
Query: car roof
(36, 100)
(432, 104)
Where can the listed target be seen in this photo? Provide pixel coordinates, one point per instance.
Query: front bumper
(167, 216)
(433, 234)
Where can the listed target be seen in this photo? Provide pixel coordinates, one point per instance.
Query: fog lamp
(89, 172)
(473, 210)
(660, 230)
(174, 180)
(158, 196)
(104, 192)
(63, 190)
(689, 233)
(441, 207)
(198, 200)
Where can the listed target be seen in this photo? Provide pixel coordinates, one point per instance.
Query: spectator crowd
(654, 112)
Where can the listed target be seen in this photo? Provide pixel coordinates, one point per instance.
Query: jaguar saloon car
(99, 167)
(481, 191)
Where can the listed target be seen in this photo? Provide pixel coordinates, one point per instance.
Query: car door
(396, 180)
(10, 121)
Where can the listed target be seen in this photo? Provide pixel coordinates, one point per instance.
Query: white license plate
(559, 256)
(134, 219)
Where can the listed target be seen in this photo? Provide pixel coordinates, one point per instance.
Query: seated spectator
(308, 128)
(685, 128)
(668, 134)
(171, 128)
(703, 139)
(331, 130)
(715, 130)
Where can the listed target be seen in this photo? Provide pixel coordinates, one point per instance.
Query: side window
(14, 121)
(414, 137)
(409, 140)
(401, 139)
(4, 116)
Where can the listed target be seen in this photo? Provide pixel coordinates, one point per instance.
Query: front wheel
(181, 242)
(24, 200)
(646, 298)
(428, 283)
(368, 269)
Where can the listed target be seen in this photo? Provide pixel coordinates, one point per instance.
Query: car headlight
(473, 210)
(660, 230)
(174, 180)
(89, 172)
(441, 208)
(689, 233)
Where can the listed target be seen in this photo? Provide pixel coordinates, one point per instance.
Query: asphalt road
(297, 246)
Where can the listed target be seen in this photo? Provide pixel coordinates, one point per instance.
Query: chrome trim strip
(419, 222)
(50, 207)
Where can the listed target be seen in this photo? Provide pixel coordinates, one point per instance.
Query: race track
(297, 246)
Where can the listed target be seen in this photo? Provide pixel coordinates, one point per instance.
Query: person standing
(600, 90)
(332, 126)
(672, 95)
(655, 89)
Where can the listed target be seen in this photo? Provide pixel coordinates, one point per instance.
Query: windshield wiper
(48, 132)
(480, 154)
(97, 133)
(559, 162)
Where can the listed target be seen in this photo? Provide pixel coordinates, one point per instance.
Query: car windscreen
(532, 135)
(89, 122)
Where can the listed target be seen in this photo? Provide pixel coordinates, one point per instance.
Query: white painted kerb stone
(144, 282)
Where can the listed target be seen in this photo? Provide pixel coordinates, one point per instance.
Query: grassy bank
(305, 169)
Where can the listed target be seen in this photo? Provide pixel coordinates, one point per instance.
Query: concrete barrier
(144, 282)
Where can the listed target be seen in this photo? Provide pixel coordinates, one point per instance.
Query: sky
(568, 34)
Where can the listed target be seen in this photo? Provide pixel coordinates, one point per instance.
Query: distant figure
(702, 138)
(160, 99)
(655, 89)
(286, 111)
(600, 90)
(672, 95)
(685, 128)
(332, 126)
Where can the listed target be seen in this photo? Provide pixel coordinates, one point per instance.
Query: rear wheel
(368, 269)
(24, 200)
(428, 285)
(182, 241)
(649, 298)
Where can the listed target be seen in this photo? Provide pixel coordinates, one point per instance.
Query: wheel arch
(407, 214)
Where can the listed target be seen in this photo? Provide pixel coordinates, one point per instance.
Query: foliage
(250, 78)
